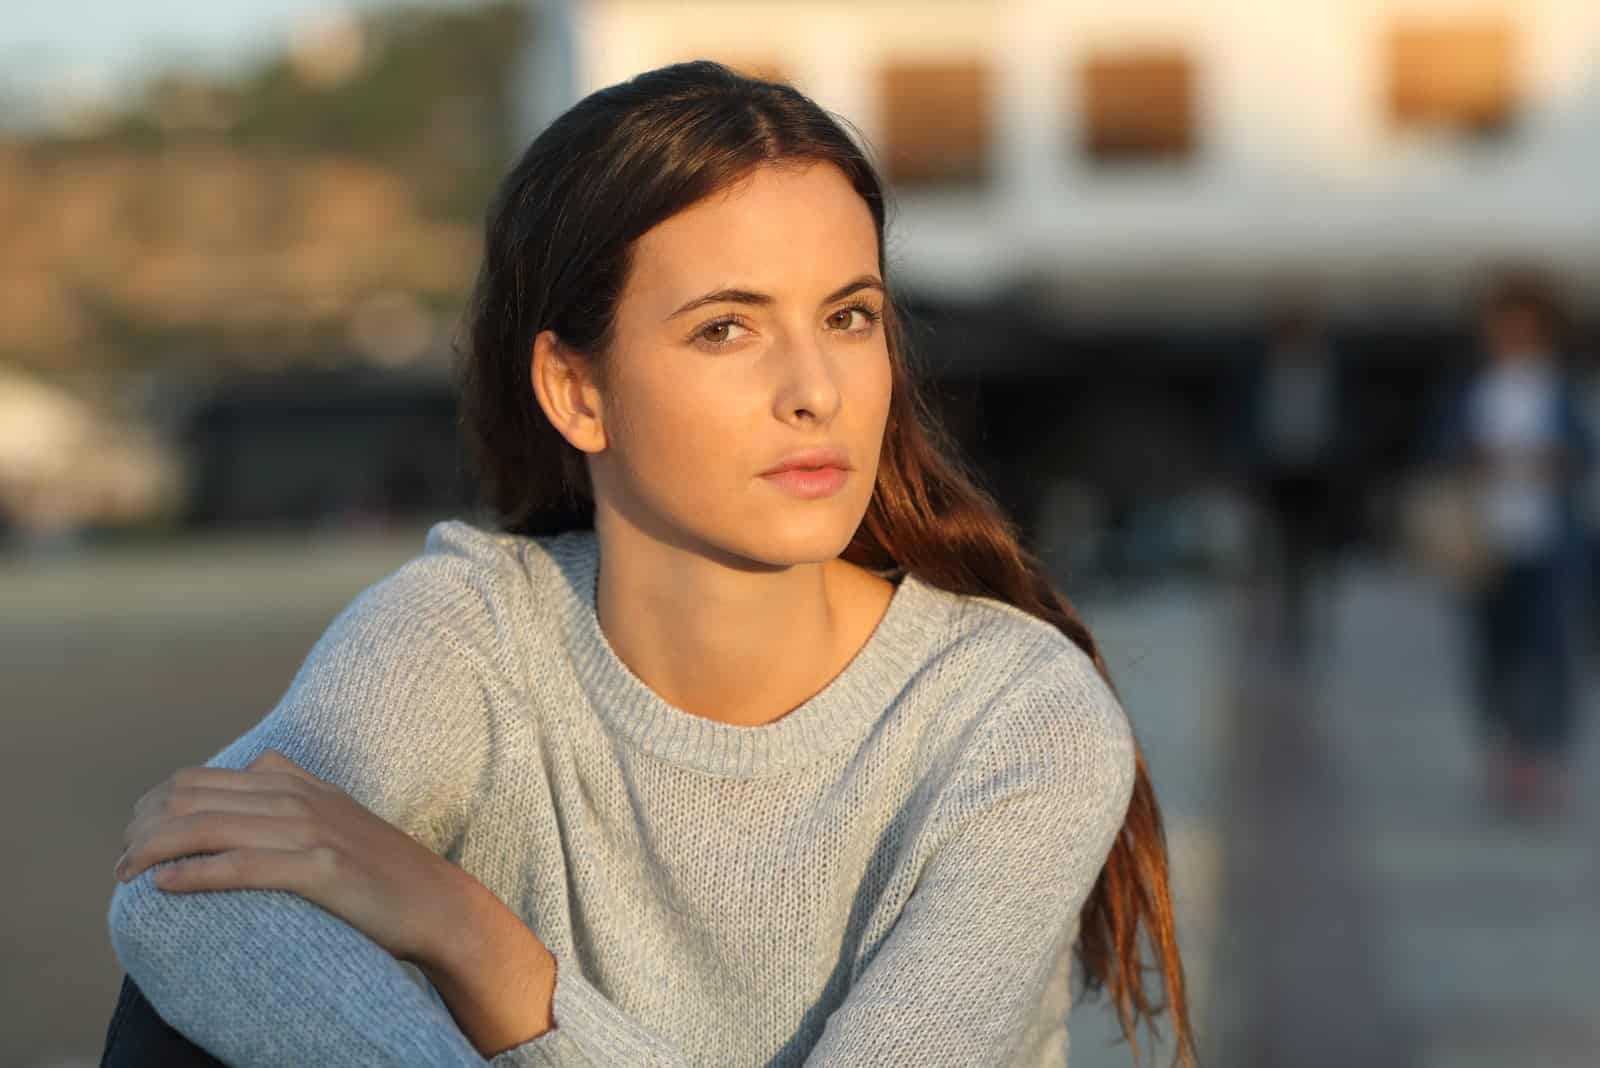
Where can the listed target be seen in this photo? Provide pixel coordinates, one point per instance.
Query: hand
(275, 826)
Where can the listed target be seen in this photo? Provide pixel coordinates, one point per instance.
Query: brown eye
(869, 317)
(715, 334)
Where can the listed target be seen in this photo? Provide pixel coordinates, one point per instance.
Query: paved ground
(1382, 916)
(1165, 649)
(1490, 931)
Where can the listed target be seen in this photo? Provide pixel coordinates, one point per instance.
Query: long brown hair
(559, 235)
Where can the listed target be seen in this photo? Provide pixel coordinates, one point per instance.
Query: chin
(798, 538)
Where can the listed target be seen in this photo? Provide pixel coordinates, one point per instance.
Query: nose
(809, 385)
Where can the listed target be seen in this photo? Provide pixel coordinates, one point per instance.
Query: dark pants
(138, 1037)
(1301, 504)
(1524, 654)
(1591, 586)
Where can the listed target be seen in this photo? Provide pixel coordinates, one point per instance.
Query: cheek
(682, 439)
(871, 391)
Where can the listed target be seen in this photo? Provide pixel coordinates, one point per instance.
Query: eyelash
(873, 316)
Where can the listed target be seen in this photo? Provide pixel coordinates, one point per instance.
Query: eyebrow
(746, 296)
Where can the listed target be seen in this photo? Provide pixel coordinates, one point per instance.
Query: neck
(724, 637)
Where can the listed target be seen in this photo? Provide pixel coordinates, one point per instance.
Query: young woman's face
(749, 330)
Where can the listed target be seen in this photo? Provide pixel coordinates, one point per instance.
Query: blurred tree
(258, 219)
(426, 91)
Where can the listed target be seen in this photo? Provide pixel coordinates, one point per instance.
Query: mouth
(808, 482)
(806, 467)
(814, 460)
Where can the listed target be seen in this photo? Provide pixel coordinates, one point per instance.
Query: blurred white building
(1188, 152)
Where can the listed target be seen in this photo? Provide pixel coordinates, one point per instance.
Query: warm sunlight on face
(749, 331)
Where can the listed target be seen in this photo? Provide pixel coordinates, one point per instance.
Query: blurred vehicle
(354, 446)
(66, 467)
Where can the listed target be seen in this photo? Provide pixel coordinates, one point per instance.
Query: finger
(272, 760)
(240, 869)
(282, 804)
(215, 832)
(192, 789)
(244, 778)
(146, 810)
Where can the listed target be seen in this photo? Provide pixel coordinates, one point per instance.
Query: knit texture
(890, 874)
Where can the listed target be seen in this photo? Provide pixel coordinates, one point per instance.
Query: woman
(794, 757)
(1515, 425)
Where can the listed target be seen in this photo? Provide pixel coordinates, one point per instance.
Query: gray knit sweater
(890, 874)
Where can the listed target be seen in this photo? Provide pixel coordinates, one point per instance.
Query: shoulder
(518, 588)
(1045, 710)
(1063, 722)
(468, 590)
(462, 573)
(1005, 636)
(459, 549)
(501, 565)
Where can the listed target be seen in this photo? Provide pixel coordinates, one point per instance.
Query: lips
(810, 460)
(808, 482)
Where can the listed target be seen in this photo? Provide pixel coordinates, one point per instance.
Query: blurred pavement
(1380, 915)
(1490, 932)
(1166, 649)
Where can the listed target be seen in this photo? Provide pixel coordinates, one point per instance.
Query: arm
(1019, 838)
(389, 706)
(1579, 435)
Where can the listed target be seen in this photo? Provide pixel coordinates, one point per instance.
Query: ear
(564, 384)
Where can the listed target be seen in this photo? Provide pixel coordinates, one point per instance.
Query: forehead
(784, 230)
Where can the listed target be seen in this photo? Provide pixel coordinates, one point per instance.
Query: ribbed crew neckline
(843, 710)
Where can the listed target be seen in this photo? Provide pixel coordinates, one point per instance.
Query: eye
(841, 320)
(716, 334)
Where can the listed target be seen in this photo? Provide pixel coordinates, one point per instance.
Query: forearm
(496, 976)
(262, 977)
(519, 1004)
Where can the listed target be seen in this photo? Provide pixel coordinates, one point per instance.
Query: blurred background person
(1515, 427)
(1587, 371)
(1292, 443)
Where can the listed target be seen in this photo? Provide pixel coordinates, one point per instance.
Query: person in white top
(1515, 424)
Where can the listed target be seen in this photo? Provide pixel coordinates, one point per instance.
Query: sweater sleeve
(1019, 837)
(390, 706)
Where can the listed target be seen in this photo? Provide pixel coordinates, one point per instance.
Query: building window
(1137, 106)
(1454, 76)
(936, 124)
